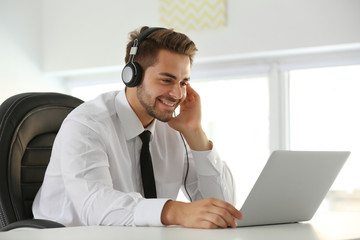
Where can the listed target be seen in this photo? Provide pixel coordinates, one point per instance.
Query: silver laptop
(291, 187)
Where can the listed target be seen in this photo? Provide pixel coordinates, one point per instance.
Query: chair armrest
(32, 223)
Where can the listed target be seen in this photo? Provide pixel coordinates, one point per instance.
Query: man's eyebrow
(173, 77)
(168, 75)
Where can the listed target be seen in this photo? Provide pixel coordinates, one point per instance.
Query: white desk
(322, 226)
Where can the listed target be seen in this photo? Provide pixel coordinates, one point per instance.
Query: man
(95, 177)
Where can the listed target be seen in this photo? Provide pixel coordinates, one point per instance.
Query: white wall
(52, 36)
(21, 48)
(258, 26)
(84, 34)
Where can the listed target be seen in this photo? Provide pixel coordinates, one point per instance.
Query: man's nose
(176, 92)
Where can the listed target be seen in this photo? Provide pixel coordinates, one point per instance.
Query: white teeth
(168, 104)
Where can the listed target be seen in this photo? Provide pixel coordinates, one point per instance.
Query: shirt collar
(132, 125)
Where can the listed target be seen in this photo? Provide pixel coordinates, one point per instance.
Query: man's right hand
(206, 213)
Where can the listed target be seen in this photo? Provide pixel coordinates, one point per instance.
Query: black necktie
(147, 172)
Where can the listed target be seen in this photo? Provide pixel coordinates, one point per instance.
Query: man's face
(164, 85)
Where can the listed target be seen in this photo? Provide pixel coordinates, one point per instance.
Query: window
(324, 115)
(295, 102)
(235, 116)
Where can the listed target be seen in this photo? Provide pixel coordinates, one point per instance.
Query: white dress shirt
(93, 177)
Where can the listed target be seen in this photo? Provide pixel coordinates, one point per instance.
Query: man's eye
(184, 83)
(166, 80)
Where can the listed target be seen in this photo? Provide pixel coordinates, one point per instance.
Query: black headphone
(132, 72)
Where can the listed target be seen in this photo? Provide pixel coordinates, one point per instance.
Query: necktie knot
(145, 137)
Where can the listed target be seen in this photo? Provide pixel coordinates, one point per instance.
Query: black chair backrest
(29, 123)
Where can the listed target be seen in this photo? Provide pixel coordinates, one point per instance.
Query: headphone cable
(187, 167)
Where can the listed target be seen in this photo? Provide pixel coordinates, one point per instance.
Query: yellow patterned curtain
(184, 15)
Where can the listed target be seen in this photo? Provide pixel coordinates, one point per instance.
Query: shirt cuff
(148, 212)
(208, 163)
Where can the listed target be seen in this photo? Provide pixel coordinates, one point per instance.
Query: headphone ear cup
(132, 74)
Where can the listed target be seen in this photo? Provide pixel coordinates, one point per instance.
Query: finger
(230, 208)
(189, 88)
(190, 91)
(216, 219)
(207, 225)
(224, 214)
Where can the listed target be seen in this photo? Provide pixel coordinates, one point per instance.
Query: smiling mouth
(167, 103)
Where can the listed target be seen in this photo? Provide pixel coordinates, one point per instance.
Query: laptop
(291, 187)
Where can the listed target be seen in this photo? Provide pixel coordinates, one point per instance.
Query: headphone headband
(146, 33)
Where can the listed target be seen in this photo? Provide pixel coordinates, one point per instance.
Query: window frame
(276, 65)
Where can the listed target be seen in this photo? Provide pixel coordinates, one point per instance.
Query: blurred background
(280, 74)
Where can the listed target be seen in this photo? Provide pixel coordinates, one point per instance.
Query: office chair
(29, 123)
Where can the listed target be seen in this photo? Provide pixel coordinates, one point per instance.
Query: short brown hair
(166, 39)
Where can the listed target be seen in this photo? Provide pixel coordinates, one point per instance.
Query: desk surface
(336, 225)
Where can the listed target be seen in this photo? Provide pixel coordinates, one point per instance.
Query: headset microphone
(132, 72)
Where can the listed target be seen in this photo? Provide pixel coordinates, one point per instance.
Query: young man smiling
(93, 177)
